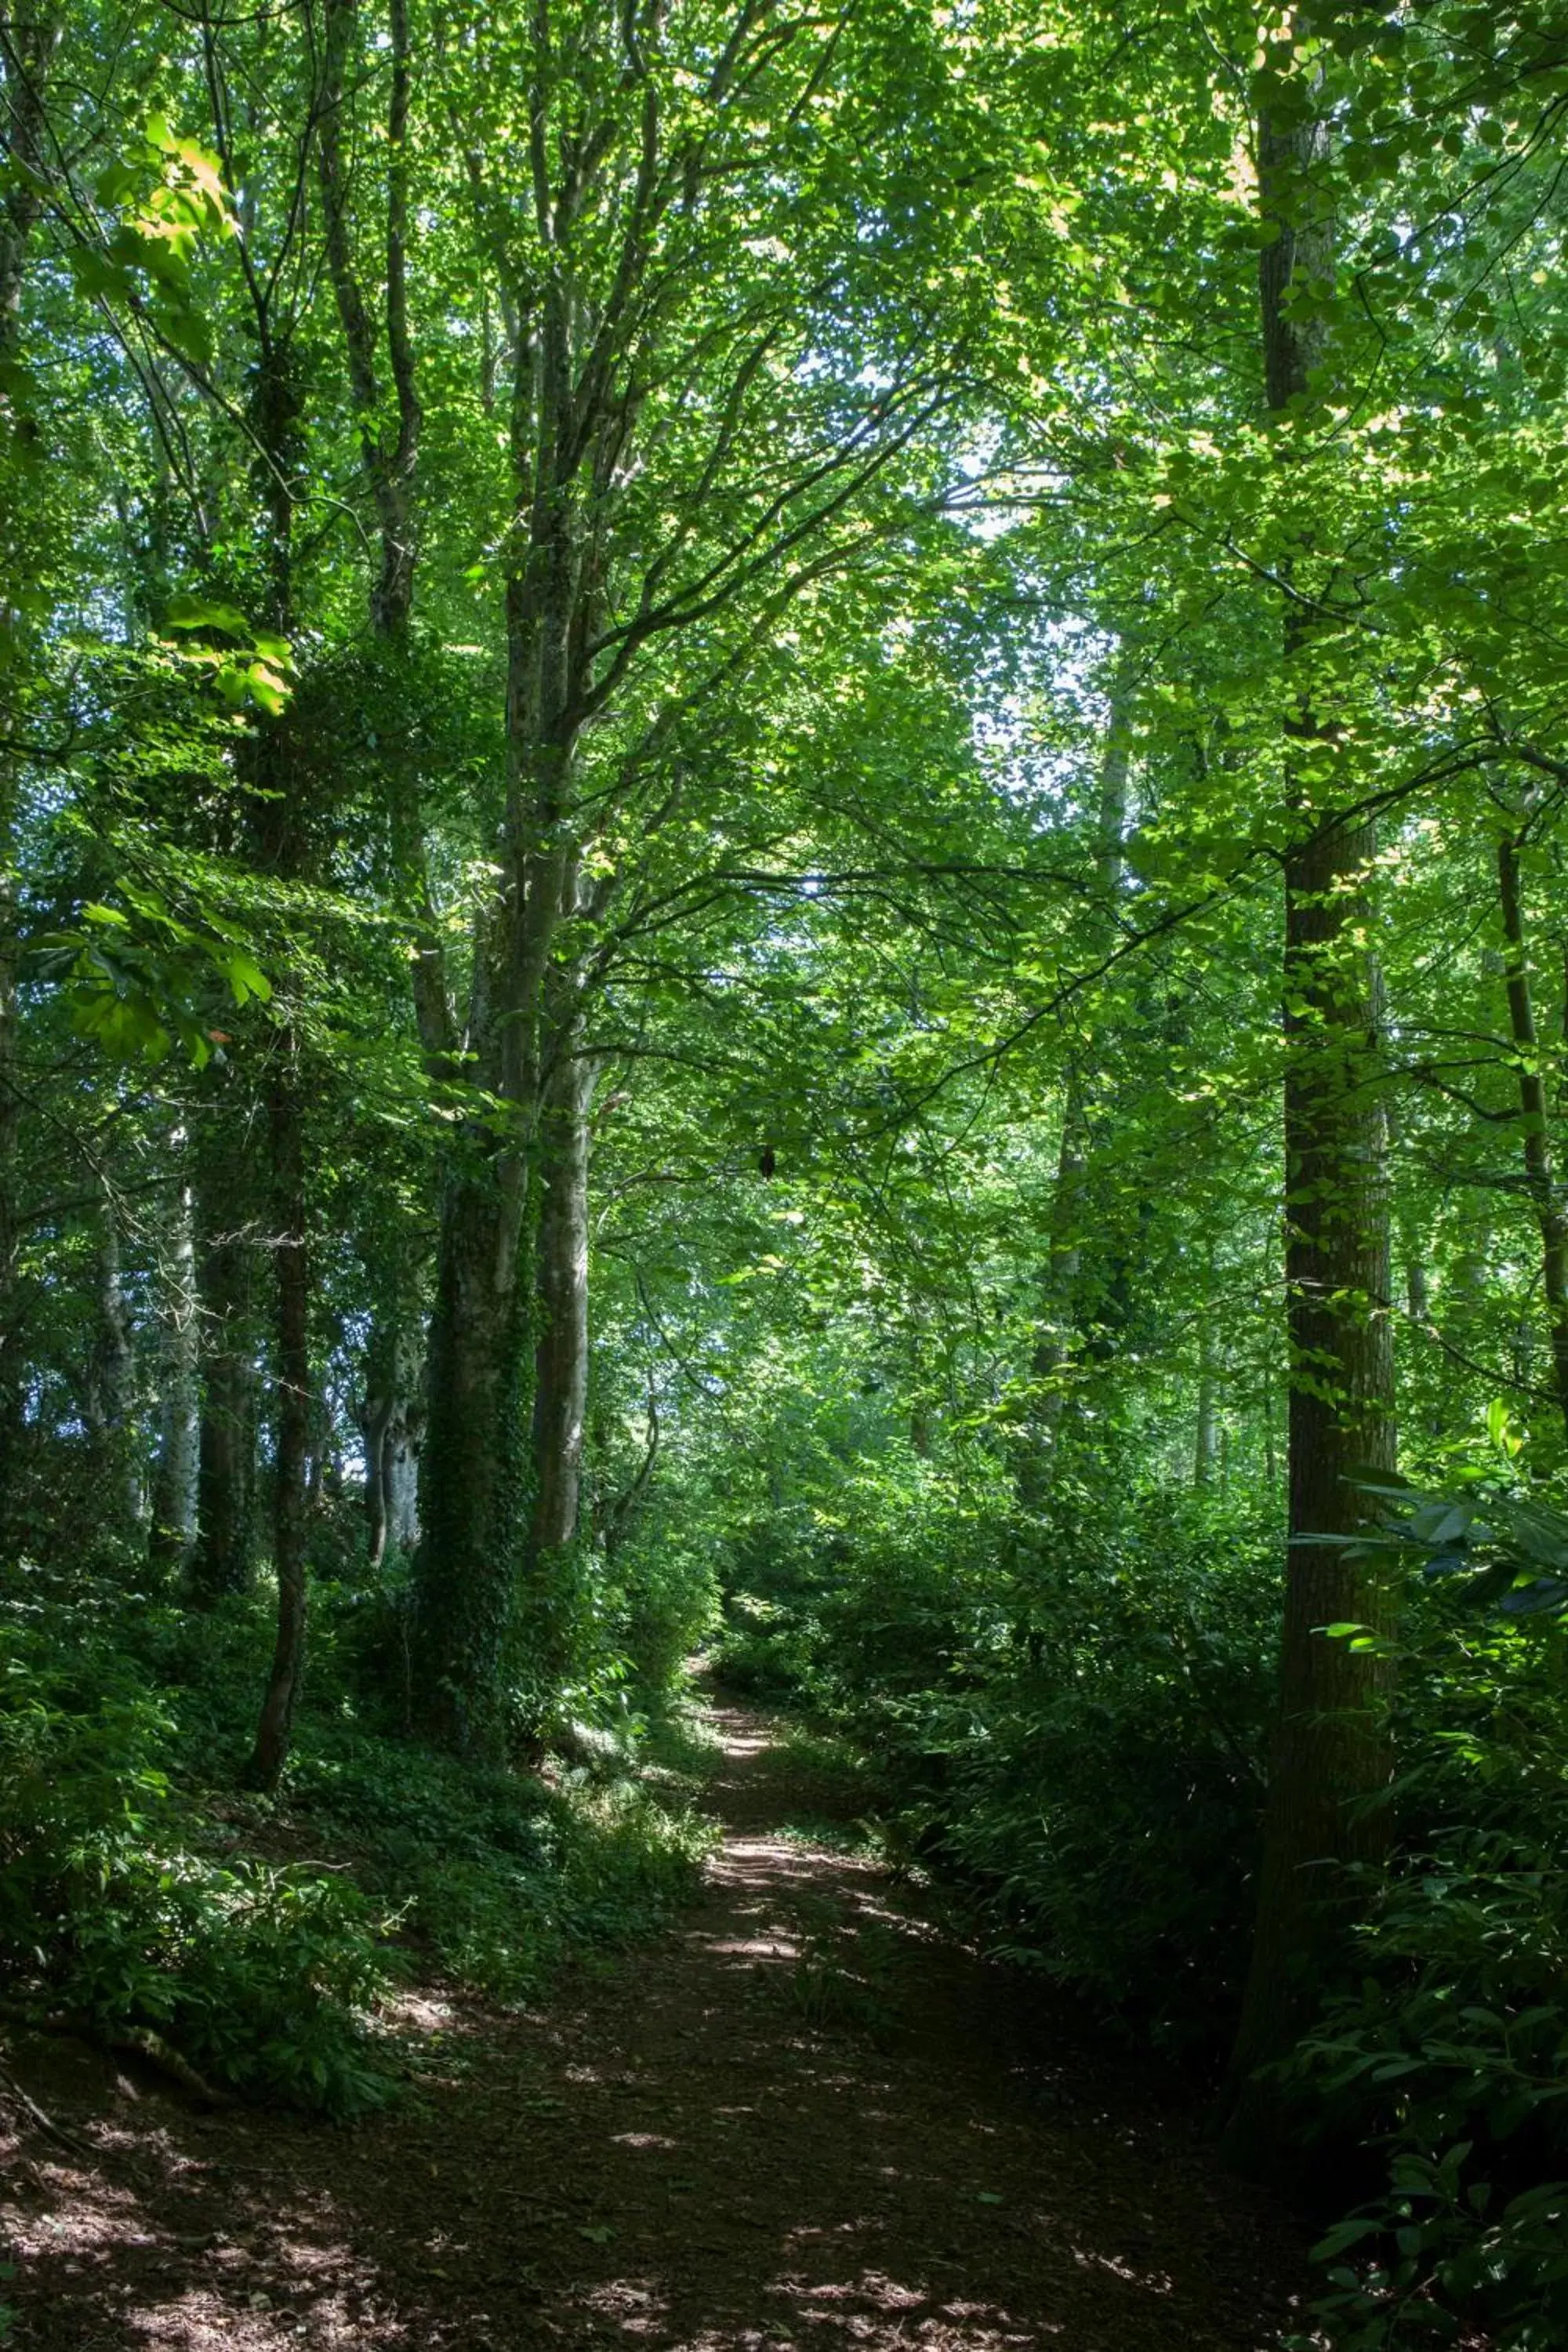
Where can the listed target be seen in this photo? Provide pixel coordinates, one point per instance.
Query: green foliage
(114, 1909)
(1066, 1716)
(128, 1900)
(1445, 2043)
(661, 1601)
(1452, 2051)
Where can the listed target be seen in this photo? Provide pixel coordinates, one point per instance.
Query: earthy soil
(806, 2117)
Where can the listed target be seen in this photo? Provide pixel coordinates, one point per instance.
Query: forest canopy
(781, 876)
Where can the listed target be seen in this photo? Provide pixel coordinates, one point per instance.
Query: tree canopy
(781, 840)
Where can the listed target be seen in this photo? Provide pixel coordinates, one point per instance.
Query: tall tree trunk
(173, 1519)
(476, 1509)
(110, 1389)
(400, 1478)
(1206, 1447)
(376, 1426)
(226, 1450)
(561, 1355)
(292, 1445)
(1330, 1761)
(280, 827)
(473, 1479)
(29, 39)
(1060, 1330)
(1534, 1117)
(388, 1426)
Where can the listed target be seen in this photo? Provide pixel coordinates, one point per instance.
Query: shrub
(110, 1912)
(1071, 1709)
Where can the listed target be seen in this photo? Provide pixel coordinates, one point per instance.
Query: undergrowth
(1065, 1713)
(138, 1890)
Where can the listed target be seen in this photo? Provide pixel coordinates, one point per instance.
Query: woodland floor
(806, 2117)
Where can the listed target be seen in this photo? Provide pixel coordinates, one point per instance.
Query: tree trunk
(1205, 1448)
(172, 1524)
(376, 1425)
(400, 1467)
(1330, 1761)
(292, 1448)
(109, 1390)
(388, 1425)
(28, 44)
(1534, 1117)
(473, 1473)
(478, 1517)
(1059, 1330)
(279, 821)
(225, 1449)
(560, 1359)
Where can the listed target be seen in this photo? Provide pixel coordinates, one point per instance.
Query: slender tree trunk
(280, 821)
(292, 1447)
(1330, 1761)
(401, 1480)
(1534, 1116)
(376, 1425)
(561, 1355)
(1206, 1447)
(1059, 1328)
(29, 39)
(173, 1520)
(110, 1389)
(388, 1425)
(225, 1449)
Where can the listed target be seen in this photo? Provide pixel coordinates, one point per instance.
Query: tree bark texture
(1534, 1114)
(474, 1476)
(173, 1518)
(29, 39)
(1330, 1761)
(561, 1356)
(226, 1448)
(476, 1503)
(292, 1452)
(109, 1396)
(280, 821)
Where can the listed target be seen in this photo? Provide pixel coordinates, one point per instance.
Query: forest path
(804, 2118)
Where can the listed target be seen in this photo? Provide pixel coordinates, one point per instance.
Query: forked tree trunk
(478, 1509)
(1330, 1761)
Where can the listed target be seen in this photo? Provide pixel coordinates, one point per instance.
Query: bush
(1446, 2047)
(110, 1912)
(127, 1900)
(1072, 1710)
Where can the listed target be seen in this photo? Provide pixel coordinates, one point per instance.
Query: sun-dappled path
(806, 2116)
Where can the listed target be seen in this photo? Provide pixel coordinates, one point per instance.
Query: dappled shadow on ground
(804, 2118)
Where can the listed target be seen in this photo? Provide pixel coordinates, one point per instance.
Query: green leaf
(188, 611)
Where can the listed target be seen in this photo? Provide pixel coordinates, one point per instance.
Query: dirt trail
(803, 2117)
